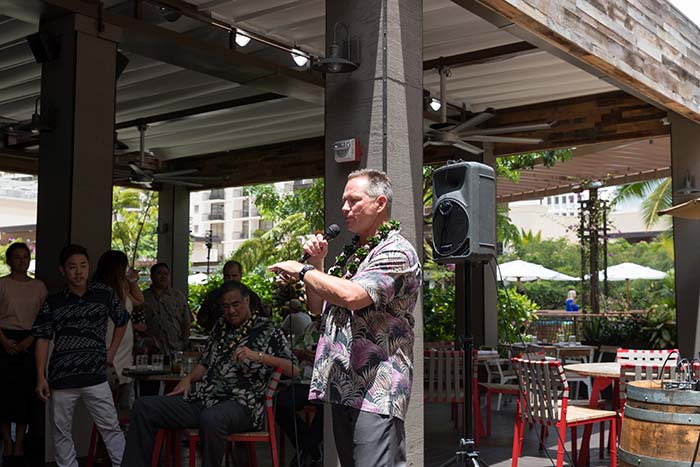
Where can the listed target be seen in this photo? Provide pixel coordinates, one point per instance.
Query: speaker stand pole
(467, 453)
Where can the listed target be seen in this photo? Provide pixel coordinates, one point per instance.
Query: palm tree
(656, 195)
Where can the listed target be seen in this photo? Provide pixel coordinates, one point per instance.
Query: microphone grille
(332, 231)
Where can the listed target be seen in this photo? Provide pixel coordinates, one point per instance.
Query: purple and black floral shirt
(364, 358)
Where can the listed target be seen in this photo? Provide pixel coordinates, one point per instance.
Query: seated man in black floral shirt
(230, 382)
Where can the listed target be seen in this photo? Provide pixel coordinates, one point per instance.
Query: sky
(690, 8)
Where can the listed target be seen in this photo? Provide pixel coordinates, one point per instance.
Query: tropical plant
(134, 223)
(279, 243)
(515, 313)
(276, 206)
(657, 195)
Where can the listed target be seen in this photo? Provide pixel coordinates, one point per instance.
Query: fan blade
(138, 170)
(503, 139)
(436, 143)
(468, 147)
(508, 129)
(175, 181)
(175, 173)
(474, 121)
(197, 177)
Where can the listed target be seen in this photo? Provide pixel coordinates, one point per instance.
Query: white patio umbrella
(197, 279)
(523, 271)
(631, 271)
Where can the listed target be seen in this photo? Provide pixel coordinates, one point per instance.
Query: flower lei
(353, 254)
(242, 332)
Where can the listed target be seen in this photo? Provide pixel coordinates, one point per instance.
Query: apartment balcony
(218, 194)
(215, 216)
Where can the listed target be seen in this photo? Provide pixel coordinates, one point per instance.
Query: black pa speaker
(464, 213)
(43, 46)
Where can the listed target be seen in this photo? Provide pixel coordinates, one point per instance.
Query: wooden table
(603, 374)
(141, 375)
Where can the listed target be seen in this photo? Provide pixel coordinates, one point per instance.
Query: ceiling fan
(138, 174)
(457, 134)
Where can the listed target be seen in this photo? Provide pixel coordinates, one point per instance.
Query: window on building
(549, 201)
(245, 229)
(245, 208)
(556, 200)
(217, 212)
(217, 232)
(196, 208)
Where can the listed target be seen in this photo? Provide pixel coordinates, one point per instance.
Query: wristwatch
(304, 270)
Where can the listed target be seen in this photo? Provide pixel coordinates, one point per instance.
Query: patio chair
(544, 400)
(499, 375)
(445, 383)
(607, 349)
(643, 356)
(574, 355)
(267, 435)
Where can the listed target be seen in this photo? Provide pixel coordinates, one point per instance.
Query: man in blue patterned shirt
(364, 358)
(76, 320)
(229, 384)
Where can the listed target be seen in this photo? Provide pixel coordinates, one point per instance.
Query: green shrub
(515, 312)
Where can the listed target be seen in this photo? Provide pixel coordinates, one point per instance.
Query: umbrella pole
(628, 293)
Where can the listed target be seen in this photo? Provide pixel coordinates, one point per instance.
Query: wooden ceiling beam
(271, 163)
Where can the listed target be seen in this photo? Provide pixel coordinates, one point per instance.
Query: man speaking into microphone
(364, 358)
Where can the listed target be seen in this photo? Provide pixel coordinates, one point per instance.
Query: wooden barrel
(661, 428)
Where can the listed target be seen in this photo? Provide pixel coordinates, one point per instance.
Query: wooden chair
(544, 400)
(268, 435)
(445, 380)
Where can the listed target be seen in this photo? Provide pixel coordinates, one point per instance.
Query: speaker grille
(450, 227)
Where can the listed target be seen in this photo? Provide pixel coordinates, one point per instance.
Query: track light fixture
(241, 38)
(688, 188)
(435, 104)
(299, 57)
(338, 60)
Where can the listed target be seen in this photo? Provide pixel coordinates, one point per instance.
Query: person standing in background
(570, 304)
(21, 298)
(76, 320)
(111, 271)
(167, 313)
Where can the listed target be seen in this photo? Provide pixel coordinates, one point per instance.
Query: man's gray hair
(379, 184)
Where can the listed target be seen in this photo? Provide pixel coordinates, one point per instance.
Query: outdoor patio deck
(441, 442)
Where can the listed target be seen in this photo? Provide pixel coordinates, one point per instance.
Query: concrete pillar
(75, 158)
(174, 233)
(381, 105)
(685, 158)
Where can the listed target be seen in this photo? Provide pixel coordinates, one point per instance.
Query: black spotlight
(44, 47)
(170, 15)
(122, 62)
(337, 60)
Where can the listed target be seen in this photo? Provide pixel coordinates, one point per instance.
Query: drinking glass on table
(572, 339)
(188, 365)
(141, 362)
(157, 361)
(176, 362)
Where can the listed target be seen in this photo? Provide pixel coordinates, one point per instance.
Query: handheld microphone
(331, 232)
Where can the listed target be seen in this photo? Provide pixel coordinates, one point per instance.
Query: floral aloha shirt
(364, 358)
(245, 382)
